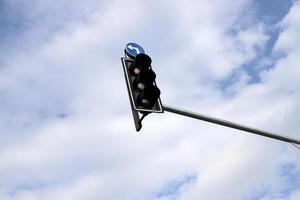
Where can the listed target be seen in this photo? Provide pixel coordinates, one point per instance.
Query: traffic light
(144, 82)
(143, 92)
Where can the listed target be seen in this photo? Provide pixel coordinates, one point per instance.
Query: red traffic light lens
(141, 62)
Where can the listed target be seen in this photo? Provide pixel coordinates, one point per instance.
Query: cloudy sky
(66, 129)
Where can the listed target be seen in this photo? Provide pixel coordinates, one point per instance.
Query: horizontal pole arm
(229, 124)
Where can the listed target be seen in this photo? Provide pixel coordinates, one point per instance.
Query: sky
(66, 128)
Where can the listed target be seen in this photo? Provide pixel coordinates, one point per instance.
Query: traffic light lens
(145, 102)
(141, 62)
(140, 86)
(136, 71)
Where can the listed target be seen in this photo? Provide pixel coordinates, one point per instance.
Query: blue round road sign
(133, 49)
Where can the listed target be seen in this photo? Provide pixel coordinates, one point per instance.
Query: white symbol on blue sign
(133, 49)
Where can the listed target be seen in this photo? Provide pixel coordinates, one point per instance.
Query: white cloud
(288, 39)
(93, 152)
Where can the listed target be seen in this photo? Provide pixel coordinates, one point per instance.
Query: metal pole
(229, 124)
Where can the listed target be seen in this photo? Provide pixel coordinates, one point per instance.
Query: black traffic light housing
(143, 92)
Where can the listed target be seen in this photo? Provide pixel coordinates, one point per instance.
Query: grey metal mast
(229, 124)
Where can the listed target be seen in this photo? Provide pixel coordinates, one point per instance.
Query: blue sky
(66, 130)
